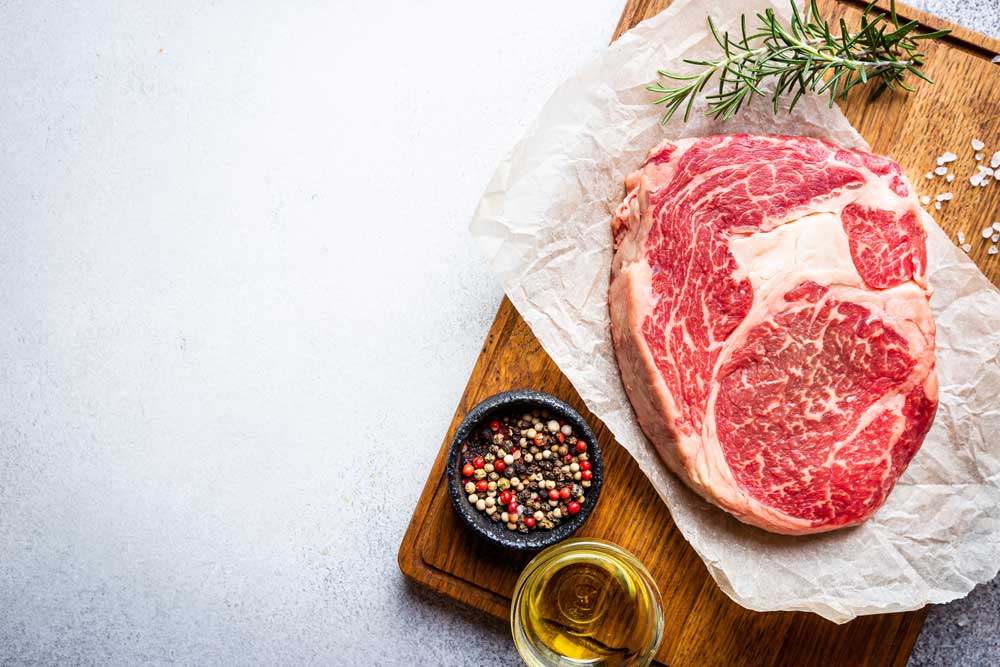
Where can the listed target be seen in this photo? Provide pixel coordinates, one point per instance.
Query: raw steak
(770, 312)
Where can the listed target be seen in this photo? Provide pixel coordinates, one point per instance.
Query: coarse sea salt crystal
(995, 160)
(961, 237)
(977, 145)
(950, 177)
(979, 157)
(996, 226)
(966, 247)
(941, 171)
(937, 206)
(995, 238)
(992, 251)
(944, 196)
(925, 200)
(929, 175)
(988, 232)
(946, 158)
(984, 169)
(976, 178)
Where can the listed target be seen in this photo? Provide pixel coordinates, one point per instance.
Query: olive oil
(586, 603)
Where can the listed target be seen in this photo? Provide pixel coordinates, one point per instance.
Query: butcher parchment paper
(543, 224)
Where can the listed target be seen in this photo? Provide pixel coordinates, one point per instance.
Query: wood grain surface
(703, 626)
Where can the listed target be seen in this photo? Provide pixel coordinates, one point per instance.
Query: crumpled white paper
(543, 223)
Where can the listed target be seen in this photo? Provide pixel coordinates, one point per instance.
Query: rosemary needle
(805, 56)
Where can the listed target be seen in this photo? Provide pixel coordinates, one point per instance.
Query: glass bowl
(586, 603)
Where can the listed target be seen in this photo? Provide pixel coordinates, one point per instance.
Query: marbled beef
(770, 312)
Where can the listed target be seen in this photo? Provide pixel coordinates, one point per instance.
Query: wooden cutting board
(703, 626)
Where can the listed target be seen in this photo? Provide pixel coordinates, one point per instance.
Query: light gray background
(238, 304)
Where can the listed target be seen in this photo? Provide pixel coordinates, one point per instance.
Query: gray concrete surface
(238, 304)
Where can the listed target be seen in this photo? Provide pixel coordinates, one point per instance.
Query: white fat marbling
(814, 247)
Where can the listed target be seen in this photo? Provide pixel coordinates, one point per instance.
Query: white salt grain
(988, 232)
(941, 171)
(966, 247)
(992, 251)
(979, 157)
(944, 196)
(977, 145)
(925, 200)
(937, 206)
(995, 238)
(995, 160)
(961, 237)
(995, 226)
(929, 175)
(976, 178)
(950, 177)
(947, 157)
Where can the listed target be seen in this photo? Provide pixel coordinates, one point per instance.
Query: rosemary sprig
(805, 56)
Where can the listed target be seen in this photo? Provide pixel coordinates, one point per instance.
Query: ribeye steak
(770, 312)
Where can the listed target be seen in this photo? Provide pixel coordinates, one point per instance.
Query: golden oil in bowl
(586, 603)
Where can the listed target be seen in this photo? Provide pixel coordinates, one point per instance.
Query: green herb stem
(803, 57)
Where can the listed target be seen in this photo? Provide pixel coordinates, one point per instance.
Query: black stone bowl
(514, 402)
